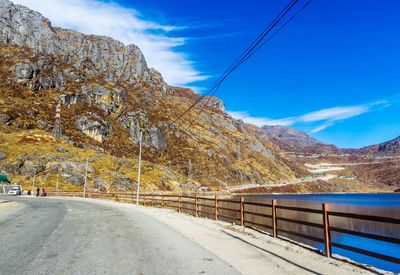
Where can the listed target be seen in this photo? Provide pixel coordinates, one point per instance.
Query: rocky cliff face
(101, 94)
(100, 55)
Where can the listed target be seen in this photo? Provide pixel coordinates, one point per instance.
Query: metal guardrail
(243, 212)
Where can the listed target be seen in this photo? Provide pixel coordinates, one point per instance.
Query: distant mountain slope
(391, 147)
(291, 140)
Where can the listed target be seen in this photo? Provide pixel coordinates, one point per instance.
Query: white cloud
(322, 127)
(334, 114)
(126, 25)
(258, 121)
(328, 117)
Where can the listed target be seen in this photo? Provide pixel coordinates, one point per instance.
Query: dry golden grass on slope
(38, 144)
(210, 145)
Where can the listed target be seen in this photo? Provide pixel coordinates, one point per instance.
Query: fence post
(162, 200)
(241, 211)
(274, 219)
(152, 199)
(327, 241)
(144, 199)
(179, 203)
(216, 207)
(196, 207)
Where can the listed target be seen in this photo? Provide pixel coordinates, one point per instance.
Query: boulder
(76, 179)
(41, 76)
(73, 172)
(157, 139)
(122, 183)
(25, 71)
(214, 102)
(94, 127)
(5, 119)
(30, 168)
(138, 121)
(100, 184)
(41, 123)
(68, 167)
(11, 168)
(2, 155)
(61, 149)
(111, 101)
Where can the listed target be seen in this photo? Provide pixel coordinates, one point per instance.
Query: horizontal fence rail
(268, 217)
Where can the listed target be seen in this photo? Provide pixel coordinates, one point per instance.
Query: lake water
(384, 205)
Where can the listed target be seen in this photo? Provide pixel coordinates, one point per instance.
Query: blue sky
(333, 72)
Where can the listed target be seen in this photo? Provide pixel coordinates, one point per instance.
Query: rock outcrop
(137, 122)
(111, 101)
(43, 75)
(100, 55)
(94, 127)
(5, 119)
(212, 101)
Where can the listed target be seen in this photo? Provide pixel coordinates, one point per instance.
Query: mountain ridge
(295, 141)
(391, 147)
(292, 140)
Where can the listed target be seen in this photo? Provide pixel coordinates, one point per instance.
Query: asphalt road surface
(50, 236)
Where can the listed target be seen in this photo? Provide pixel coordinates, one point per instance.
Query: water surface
(384, 205)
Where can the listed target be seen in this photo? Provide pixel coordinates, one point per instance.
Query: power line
(279, 29)
(239, 61)
(254, 50)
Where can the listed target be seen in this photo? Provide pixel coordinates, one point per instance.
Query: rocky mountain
(388, 148)
(95, 93)
(294, 141)
(291, 140)
(369, 169)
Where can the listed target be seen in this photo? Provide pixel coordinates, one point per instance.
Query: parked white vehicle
(16, 191)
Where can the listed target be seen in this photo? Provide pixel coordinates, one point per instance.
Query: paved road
(50, 236)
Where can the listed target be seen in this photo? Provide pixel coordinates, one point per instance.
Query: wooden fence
(267, 216)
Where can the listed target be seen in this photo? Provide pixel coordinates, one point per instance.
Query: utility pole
(84, 187)
(139, 168)
(58, 176)
(33, 182)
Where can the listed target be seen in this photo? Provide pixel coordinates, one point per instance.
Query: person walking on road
(37, 192)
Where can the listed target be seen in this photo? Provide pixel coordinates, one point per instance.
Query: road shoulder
(248, 251)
